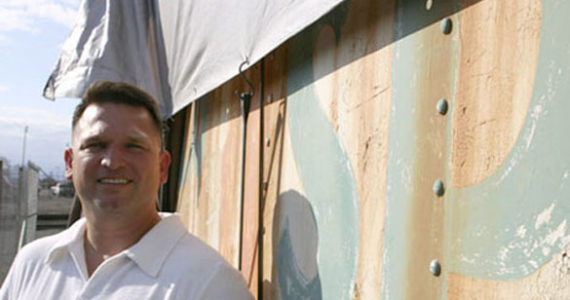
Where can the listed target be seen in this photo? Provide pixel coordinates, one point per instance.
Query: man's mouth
(113, 180)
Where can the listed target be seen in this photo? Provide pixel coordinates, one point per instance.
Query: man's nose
(112, 158)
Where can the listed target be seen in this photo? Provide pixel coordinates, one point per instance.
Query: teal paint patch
(400, 170)
(410, 18)
(325, 173)
(192, 163)
(193, 160)
(516, 220)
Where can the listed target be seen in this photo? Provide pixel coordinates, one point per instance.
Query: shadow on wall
(295, 248)
(407, 17)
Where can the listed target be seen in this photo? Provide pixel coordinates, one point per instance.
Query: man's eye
(135, 146)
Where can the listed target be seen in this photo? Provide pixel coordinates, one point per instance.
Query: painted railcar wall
(345, 144)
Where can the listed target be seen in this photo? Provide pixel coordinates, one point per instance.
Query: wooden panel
(209, 199)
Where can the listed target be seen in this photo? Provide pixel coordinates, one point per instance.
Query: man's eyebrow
(90, 139)
(142, 140)
(139, 138)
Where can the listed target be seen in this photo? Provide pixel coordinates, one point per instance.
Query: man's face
(116, 161)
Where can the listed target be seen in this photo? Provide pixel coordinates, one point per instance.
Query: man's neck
(105, 238)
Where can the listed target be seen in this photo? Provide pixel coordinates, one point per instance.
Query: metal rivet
(269, 98)
(435, 267)
(438, 188)
(267, 142)
(446, 26)
(442, 106)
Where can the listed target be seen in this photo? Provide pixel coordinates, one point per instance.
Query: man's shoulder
(188, 250)
(195, 253)
(193, 256)
(38, 250)
(202, 267)
(195, 266)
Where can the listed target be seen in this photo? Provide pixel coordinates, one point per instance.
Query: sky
(31, 35)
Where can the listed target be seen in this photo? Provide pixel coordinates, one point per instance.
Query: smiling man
(122, 248)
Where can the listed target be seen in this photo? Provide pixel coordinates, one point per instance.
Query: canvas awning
(177, 50)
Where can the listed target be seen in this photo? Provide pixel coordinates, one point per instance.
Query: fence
(18, 211)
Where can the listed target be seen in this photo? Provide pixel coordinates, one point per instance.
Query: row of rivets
(442, 107)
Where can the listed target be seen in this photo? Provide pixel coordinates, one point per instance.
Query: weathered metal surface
(356, 138)
(513, 223)
(424, 70)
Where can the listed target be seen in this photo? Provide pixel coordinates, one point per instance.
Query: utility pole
(24, 147)
(1, 183)
(23, 203)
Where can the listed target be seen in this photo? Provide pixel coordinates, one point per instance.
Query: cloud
(3, 88)
(46, 139)
(14, 119)
(24, 14)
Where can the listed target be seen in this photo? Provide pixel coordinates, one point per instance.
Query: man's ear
(68, 163)
(164, 163)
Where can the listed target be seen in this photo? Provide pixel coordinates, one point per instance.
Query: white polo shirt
(166, 263)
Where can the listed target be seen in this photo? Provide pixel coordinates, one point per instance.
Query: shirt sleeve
(7, 289)
(226, 283)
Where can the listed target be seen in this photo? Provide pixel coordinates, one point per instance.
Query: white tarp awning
(177, 50)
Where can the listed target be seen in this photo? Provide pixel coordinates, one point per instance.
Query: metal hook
(244, 77)
(245, 103)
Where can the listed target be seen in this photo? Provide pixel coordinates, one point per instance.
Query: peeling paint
(521, 231)
(544, 217)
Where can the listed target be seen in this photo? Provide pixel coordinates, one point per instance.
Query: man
(122, 248)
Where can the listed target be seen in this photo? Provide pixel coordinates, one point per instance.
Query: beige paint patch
(496, 74)
(364, 60)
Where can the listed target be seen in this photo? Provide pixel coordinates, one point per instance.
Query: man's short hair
(118, 93)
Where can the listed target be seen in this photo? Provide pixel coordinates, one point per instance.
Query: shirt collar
(151, 251)
(66, 240)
